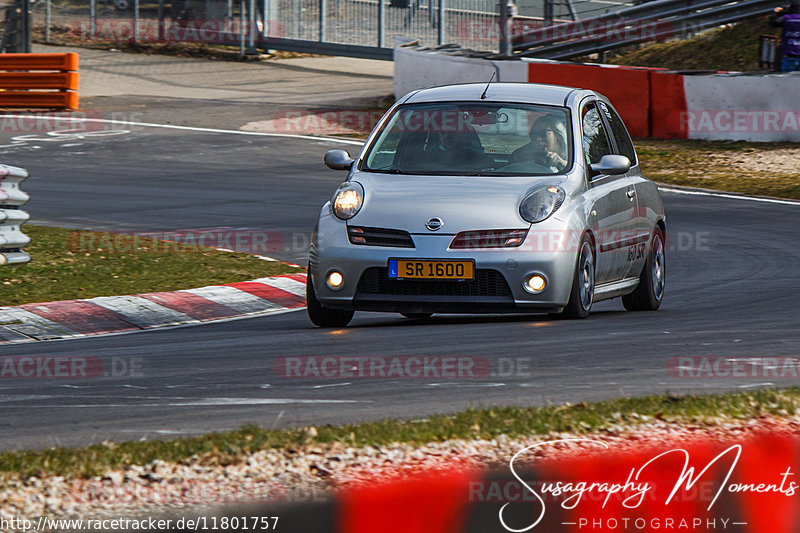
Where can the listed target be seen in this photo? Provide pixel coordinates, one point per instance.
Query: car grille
(379, 237)
(501, 238)
(376, 280)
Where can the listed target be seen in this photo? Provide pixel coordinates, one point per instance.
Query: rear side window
(624, 142)
(595, 140)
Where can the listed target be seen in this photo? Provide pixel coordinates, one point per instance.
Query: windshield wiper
(395, 170)
(386, 170)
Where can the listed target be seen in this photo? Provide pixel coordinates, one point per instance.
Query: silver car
(492, 198)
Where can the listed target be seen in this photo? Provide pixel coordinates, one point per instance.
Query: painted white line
(204, 402)
(253, 401)
(162, 431)
(191, 128)
(731, 196)
(330, 385)
(143, 312)
(298, 288)
(240, 301)
(462, 385)
(756, 385)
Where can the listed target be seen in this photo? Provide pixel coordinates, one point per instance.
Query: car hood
(463, 203)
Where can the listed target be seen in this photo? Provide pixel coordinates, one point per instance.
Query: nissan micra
(475, 198)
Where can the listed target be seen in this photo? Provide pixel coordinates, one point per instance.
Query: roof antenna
(483, 96)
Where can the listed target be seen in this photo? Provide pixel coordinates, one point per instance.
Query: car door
(635, 249)
(613, 198)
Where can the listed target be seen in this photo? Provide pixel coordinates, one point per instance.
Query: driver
(548, 146)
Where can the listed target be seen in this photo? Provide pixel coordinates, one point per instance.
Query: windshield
(482, 139)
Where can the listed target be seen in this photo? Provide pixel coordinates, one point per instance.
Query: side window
(624, 142)
(595, 140)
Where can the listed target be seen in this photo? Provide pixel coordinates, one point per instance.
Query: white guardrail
(12, 239)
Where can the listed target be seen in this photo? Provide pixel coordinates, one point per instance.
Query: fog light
(535, 283)
(335, 280)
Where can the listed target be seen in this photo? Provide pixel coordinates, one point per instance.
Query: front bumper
(498, 286)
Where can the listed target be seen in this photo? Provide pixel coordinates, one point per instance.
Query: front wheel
(652, 280)
(582, 294)
(323, 316)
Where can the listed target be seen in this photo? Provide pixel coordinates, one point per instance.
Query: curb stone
(117, 314)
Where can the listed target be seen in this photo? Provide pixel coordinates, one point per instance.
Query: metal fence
(348, 27)
(14, 36)
(12, 239)
(655, 20)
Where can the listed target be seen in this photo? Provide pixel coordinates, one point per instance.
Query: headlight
(541, 203)
(347, 200)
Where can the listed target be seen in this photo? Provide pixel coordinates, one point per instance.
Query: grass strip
(731, 47)
(760, 169)
(468, 424)
(74, 264)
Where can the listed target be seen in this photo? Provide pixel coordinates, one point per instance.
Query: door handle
(631, 193)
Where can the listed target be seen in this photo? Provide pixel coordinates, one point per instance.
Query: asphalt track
(731, 292)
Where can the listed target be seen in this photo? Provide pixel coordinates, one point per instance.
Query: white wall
(415, 69)
(737, 107)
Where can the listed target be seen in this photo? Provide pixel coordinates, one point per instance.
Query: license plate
(420, 269)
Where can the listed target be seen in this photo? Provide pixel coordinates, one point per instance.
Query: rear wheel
(323, 316)
(652, 280)
(582, 294)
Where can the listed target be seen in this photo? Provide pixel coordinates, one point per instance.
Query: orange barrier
(39, 80)
(628, 88)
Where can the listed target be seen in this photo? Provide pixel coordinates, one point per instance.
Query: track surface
(732, 286)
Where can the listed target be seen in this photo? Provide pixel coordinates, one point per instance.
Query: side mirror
(611, 165)
(338, 160)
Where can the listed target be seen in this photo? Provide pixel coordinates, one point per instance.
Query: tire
(652, 280)
(418, 316)
(322, 316)
(582, 293)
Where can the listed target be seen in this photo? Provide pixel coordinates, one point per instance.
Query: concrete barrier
(420, 68)
(743, 107)
(653, 102)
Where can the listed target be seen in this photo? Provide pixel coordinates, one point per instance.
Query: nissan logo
(434, 224)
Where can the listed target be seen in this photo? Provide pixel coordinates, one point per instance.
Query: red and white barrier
(653, 102)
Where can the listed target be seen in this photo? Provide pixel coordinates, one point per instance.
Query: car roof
(533, 93)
